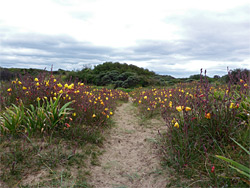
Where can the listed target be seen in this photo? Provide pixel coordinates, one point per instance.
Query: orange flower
(188, 108)
(208, 115)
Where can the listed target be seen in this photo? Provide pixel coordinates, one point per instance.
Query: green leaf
(237, 165)
(241, 172)
(241, 146)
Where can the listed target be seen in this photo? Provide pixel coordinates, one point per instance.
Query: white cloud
(156, 34)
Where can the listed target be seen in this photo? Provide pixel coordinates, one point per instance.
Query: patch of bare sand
(130, 158)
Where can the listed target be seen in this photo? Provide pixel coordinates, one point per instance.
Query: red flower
(212, 170)
(68, 125)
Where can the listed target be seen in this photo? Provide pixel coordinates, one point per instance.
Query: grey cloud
(214, 36)
(206, 36)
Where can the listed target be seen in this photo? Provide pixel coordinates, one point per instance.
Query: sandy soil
(130, 158)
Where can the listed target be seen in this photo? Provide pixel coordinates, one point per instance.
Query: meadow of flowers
(46, 104)
(203, 120)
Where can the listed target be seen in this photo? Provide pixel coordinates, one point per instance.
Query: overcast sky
(173, 37)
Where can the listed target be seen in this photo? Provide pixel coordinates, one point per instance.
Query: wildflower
(232, 105)
(188, 108)
(107, 116)
(37, 84)
(24, 88)
(208, 115)
(145, 97)
(47, 83)
(59, 85)
(179, 108)
(36, 79)
(170, 95)
(176, 125)
(45, 98)
(94, 116)
(38, 98)
(111, 113)
(170, 104)
(66, 85)
(13, 82)
(54, 80)
(54, 98)
(71, 86)
(19, 82)
(139, 101)
(173, 121)
(213, 168)
(68, 125)
(241, 81)
(74, 114)
(245, 85)
(106, 109)
(148, 109)
(61, 91)
(9, 90)
(107, 98)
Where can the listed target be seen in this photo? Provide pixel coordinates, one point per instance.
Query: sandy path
(130, 158)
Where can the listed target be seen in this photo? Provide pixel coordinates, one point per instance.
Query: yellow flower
(148, 109)
(61, 91)
(139, 101)
(145, 97)
(59, 85)
(36, 79)
(107, 116)
(188, 108)
(107, 98)
(176, 125)
(232, 105)
(13, 82)
(45, 98)
(94, 116)
(37, 84)
(173, 121)
(170, 104)
(24, 88)
(54, 98)
(9, 89)
(69, 98)
(106, 109)
(66, 85)
(208, 115)
(245, 85)
(54, 80)
(179, 108)
(38, 98)
(71, 86)
(111, 113)
(241, 81)
(74, 114)
(19, 82)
